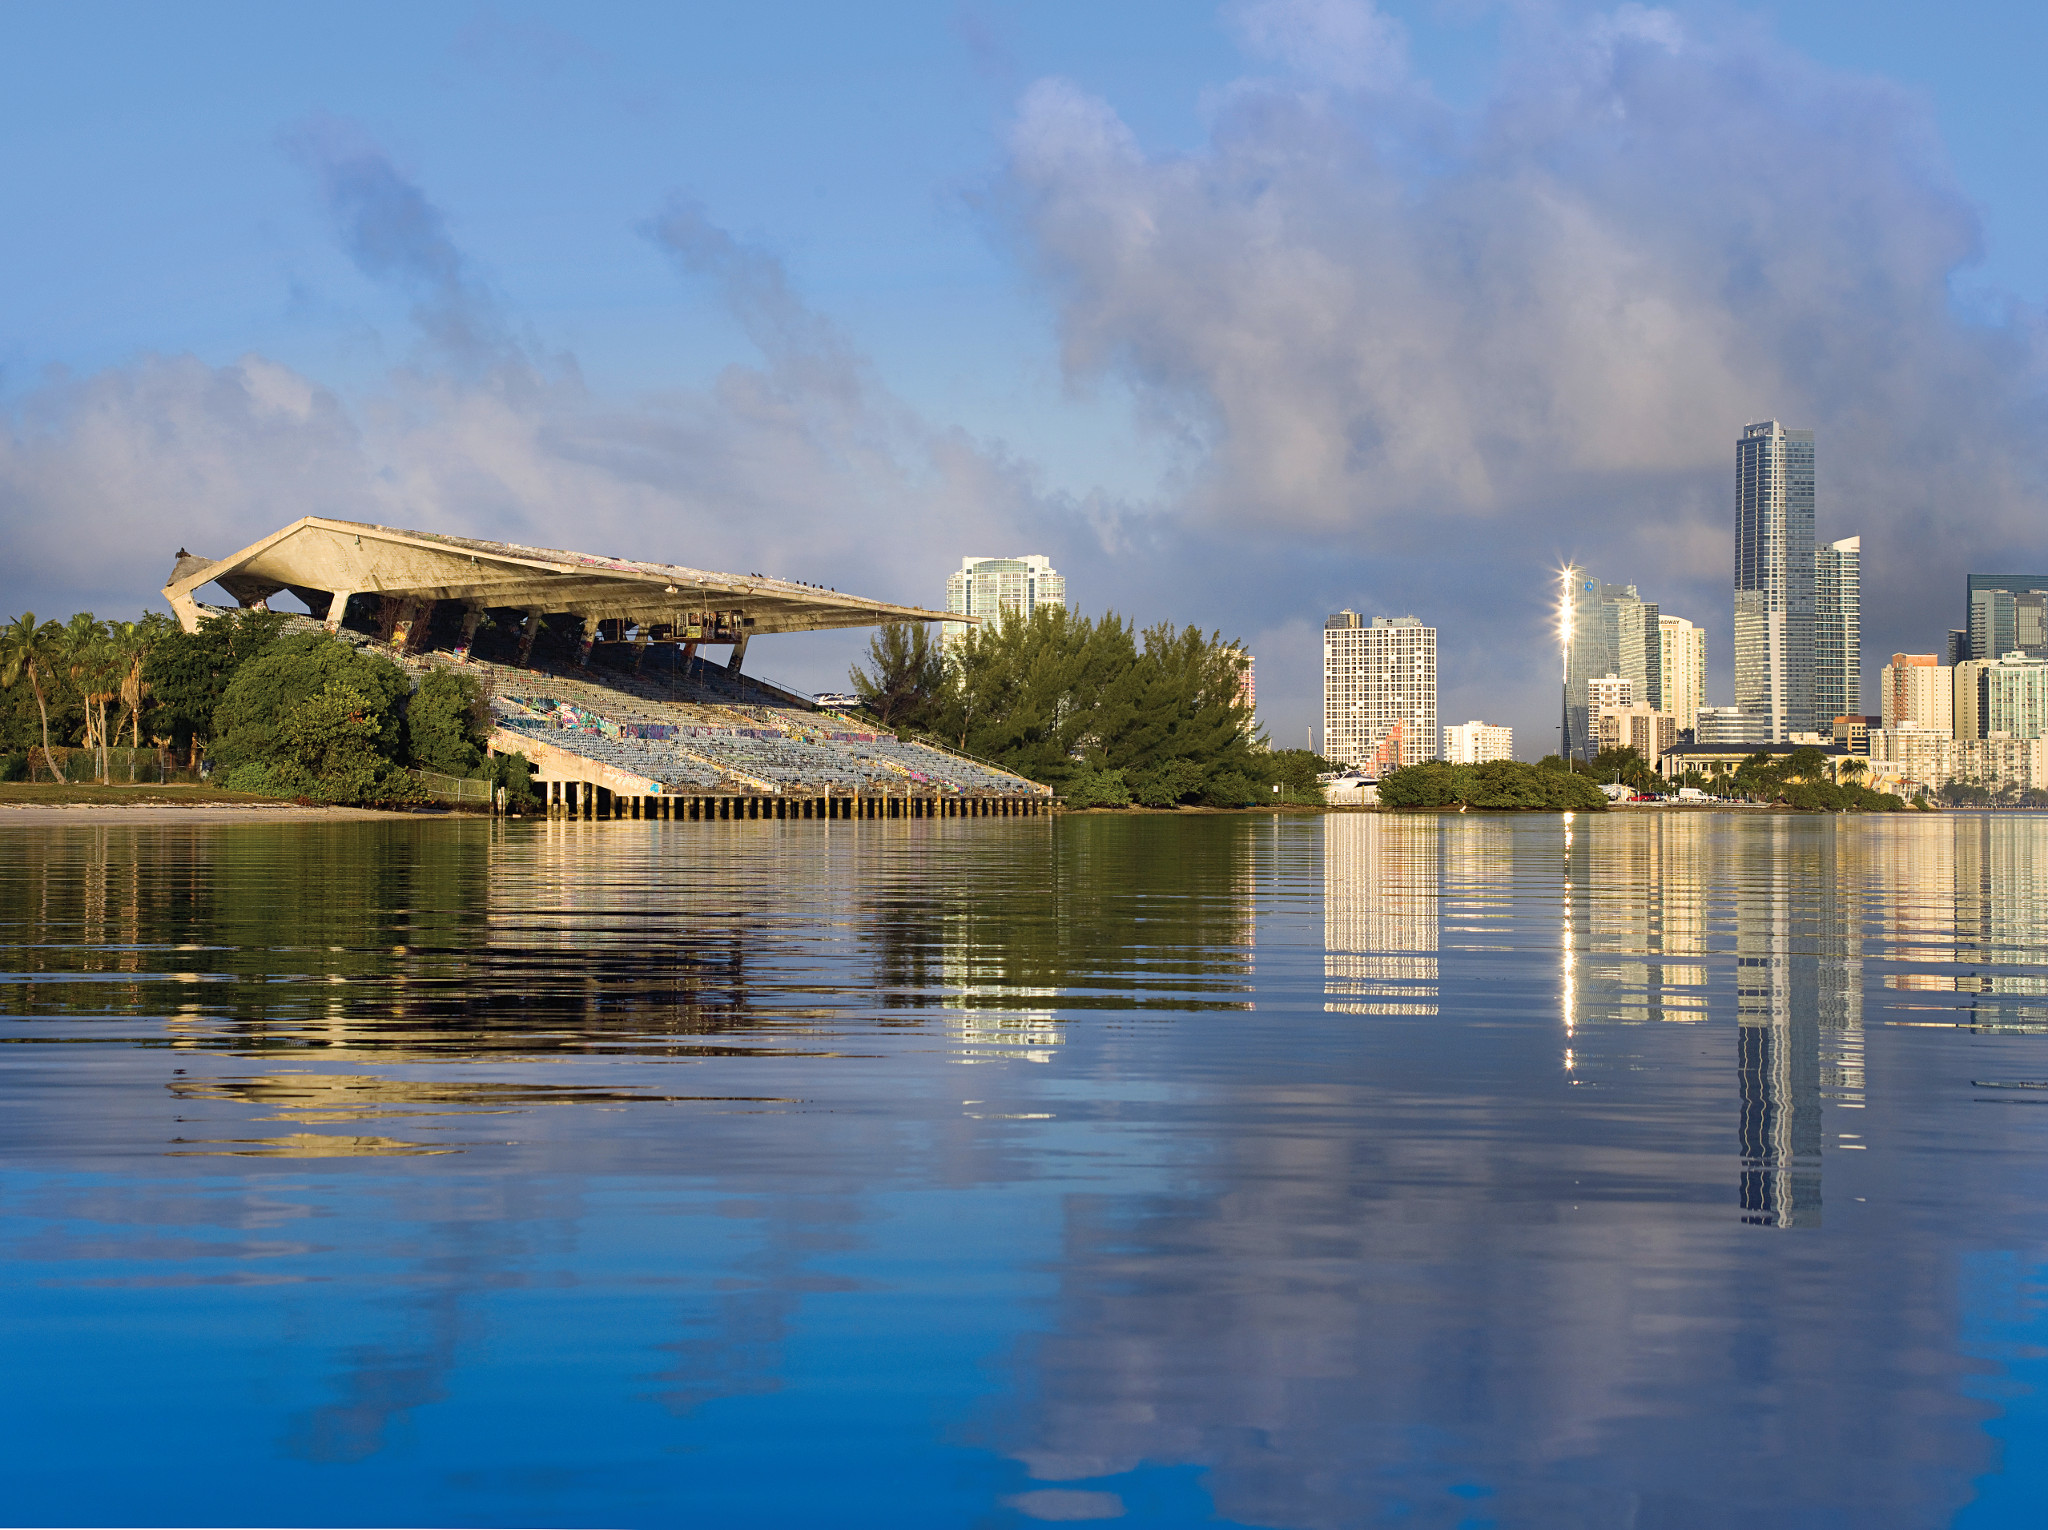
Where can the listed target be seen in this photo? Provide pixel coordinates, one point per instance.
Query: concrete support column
(528, 631)
(337, 608)
(589, 640)
(739, 652)
(471, 620)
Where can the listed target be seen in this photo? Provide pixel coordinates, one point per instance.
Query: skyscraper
(1682, 669)
(1837, 632)
(1379, 690)
(1607, 629)
(987, 587)
(1774, 577)
(2008, 614)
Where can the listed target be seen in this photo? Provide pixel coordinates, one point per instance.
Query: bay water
(1649, 1170)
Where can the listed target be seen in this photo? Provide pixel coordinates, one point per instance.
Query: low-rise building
(1853, 732)
(1646, 730)
(1476, 742)
(1722, 760)
(1731, 725)
(1927, 759)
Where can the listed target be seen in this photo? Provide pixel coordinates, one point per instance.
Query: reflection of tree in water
(384, 942)
(1080, 913)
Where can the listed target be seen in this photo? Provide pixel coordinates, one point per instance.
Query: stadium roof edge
(325, 561)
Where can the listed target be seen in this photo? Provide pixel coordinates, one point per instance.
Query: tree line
(285, 715)
(1105, 714)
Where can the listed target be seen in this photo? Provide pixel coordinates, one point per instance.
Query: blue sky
(1242, 313)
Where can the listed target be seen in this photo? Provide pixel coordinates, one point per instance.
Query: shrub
(445, 724)
(1234, 789)
(13, 767)
(1495, 785)
(254, 777)
(1098, 788)
(514, 772)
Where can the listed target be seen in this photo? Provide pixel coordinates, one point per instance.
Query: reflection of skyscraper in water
(1380, 880)
(1777, 1039)
(1636, 898)
(1999, 920)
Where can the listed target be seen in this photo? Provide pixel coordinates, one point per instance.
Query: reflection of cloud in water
(1387, 1292)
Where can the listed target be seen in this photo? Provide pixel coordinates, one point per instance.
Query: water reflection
(970, 1171)
(1380, 915)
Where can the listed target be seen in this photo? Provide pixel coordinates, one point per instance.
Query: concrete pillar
(739, 652)
(528, 631)
(471, 620)
(589, 640)
(337, 608)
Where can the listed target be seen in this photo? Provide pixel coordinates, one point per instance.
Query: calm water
(1637, 1171)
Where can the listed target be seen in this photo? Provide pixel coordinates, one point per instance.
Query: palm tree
(26, 649)
(1852, 771)
(90, 661)
(131, 643)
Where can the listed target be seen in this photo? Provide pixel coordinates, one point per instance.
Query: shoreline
(81, 814)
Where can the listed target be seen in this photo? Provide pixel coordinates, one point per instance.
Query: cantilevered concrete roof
(319, 560)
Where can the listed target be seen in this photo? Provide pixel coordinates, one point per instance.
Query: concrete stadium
(594, 668)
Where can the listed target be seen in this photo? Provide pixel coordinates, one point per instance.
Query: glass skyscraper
(1609, 630)
(1838, 632)
(1774, 578)
(2008, 614)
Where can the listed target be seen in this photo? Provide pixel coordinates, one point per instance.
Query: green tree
(266, 688)
(446, 723)
(908, 678)
(31, 652)
(1807, 764)
(326, 746)
(187, 673)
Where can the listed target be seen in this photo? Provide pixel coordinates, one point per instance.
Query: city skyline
(615, 280)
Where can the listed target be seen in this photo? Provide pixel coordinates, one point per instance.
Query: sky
(1242, 314)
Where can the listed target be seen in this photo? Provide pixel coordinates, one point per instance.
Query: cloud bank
(1406, 358)
(1423, 355)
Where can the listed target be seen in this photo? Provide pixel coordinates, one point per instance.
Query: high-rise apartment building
(1476, 742)
(1610, 691)
(1774, 577)
(1606, 629)
(1837, 632)
(2002, 696)
(1681, 670)
(1379, 690)
(987, 587)
(2008, 613)
(1919, 692)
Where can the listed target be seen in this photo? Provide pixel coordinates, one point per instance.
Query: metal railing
(455, 789)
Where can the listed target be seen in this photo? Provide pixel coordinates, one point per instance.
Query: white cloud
(1348, 43)
(1419, 358)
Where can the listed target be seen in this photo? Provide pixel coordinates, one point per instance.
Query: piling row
(584, 799)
